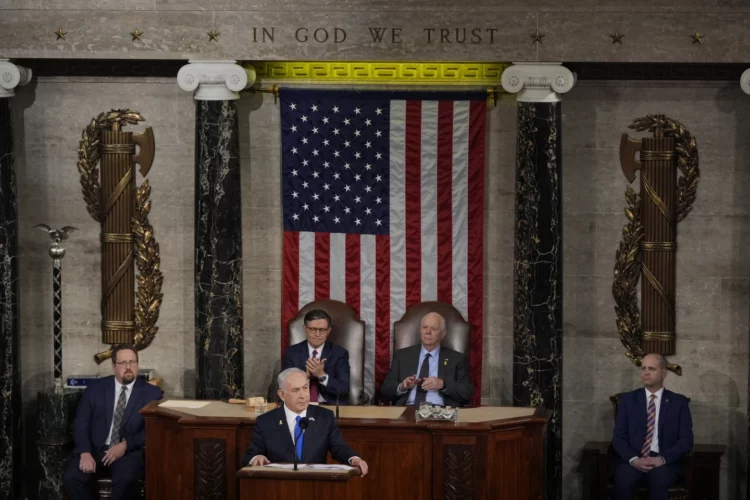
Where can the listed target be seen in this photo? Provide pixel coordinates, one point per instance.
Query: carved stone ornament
(538, 82)
(745, 81)
(215, 80)
(11, 76)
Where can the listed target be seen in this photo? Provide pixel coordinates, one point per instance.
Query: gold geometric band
(118, 325)
(117, 237)
(117, 148)
(662, 336)
(657, 155)
(658, 246)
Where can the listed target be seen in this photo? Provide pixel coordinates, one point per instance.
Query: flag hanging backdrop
(383, 196)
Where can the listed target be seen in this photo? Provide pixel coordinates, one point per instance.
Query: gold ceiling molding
(382, 72)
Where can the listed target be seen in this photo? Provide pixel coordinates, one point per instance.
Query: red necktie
(314, 384)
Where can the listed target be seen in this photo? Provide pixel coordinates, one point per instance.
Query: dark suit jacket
(272, 438)
(453, 368)
(336, 367)
(94, 416)
(675, 426)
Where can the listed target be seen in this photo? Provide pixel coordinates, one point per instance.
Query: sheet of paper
(285, 466)
(329, 467)
(184, 404)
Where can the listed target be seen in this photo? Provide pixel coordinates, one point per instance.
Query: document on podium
(285, 466)
(337, 467)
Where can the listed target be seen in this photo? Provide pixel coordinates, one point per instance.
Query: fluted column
(745, 85)
(218, 226)
(10, 369)
(537, 302)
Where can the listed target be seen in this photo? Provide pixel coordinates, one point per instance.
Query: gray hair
(285, 374)
(443, 326)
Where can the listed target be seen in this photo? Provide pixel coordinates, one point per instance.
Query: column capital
(745, 81)
(214, 80)
(538, 82)
(11, 76)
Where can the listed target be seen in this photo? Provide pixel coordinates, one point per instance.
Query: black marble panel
(218, 252)
(10, 373)
(537, 310)
(55, 440)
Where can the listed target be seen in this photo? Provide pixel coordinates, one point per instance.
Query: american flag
(383, 196)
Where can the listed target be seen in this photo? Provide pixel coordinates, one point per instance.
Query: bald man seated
(653, 432)
(428, 372)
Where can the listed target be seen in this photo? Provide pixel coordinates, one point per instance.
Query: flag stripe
(460, 198)
(290, 294)
(367, 309)
(382, 307)
(445, 202)
(429, 200)
(322, 266)
(397, 146)
(353, 275)
(475, 250)
(413, 203)
(306, 268)
(338, 267)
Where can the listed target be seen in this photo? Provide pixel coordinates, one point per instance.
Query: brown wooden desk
(196, 453)
(307, 484)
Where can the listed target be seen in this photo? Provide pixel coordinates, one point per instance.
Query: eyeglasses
(319, 331)
(127, 363)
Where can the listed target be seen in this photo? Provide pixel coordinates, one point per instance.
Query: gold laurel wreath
(147, 258)
(628, 256)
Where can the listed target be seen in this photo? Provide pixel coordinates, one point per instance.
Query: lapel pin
(281, 423)
(445, 362)
(311, 419)
(666, 401)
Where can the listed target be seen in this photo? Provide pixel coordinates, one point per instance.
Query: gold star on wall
(537, 37)
(697, 37)
(213, 35)
(60, 34)
(136, 34)
(617, 37)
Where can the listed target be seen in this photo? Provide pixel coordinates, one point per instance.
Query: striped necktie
(117, 419)
(650, 424)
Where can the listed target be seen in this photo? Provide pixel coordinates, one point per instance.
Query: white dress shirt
(291, 421)
(324, 379)
(657, 403)
(118, 388)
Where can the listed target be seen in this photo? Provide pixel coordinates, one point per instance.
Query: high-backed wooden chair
(347, 331)
(458, 336)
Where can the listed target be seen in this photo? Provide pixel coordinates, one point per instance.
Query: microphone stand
(338, 393)
(302, 427)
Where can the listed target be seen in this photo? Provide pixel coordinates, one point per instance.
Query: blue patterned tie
(650, 423)
(299, 438)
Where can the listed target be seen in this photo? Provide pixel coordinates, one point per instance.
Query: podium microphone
(338, 393)
(303, 423)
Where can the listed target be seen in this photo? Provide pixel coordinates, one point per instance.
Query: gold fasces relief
(128, 315)
(648, 246)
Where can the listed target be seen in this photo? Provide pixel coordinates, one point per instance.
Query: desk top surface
(197, 411)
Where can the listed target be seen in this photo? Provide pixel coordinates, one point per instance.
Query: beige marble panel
(592, 181)
(578, 112)
(688, 6)
(698, 303)
(735, 307)
(261, 178)
(608, 236)
(578, 371)
(579, 243)
(498, 242)
(500, 180)
(588, 307)
(498, 305)
(722, 189)
(648, 37)
(713, 246)
(261, 249)
(614, 371)
(500, 351)
(501, 123)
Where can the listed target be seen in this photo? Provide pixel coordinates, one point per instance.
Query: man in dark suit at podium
(325, 363)
(653, 431)
(298, 428)
(428, 372)
(109, 432)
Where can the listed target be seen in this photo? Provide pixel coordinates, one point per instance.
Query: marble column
(218, 226)
(745, 85)
(537, 289)
(10, 369)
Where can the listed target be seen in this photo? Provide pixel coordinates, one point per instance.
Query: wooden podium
(305, 483)
(196, 452)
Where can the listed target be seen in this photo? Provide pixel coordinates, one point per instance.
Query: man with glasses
(109, 431)
(326, 364)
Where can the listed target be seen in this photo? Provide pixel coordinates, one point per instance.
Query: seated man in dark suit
(428, 372)
(653, 431)
(325, 363)
(279, 435)
(109, 432)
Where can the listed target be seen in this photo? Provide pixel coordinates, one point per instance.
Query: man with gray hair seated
(279, 435)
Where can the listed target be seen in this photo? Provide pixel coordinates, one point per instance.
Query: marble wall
(713, 292)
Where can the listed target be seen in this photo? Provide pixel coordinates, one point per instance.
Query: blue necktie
(299, 437)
